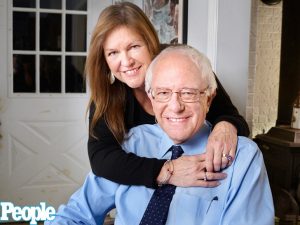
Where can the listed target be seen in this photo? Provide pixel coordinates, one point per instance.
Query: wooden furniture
(281, 152)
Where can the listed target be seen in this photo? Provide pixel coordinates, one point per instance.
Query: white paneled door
(43, 154)
(43, 99)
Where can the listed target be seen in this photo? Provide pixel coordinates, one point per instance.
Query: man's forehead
(173, 60)
(169, 70)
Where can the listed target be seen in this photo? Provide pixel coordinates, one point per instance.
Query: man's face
(180, 120)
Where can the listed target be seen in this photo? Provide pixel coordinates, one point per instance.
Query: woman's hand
(190, 171)
(221, 146)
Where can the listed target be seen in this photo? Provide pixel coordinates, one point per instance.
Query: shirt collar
(194, 145)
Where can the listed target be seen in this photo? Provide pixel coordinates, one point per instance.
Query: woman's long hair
(110, 99)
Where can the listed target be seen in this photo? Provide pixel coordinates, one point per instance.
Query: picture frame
(169, 18)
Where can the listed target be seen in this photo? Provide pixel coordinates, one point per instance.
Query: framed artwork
(169, 17)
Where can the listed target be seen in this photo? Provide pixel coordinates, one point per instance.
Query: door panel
(43, 153)
(43, 131)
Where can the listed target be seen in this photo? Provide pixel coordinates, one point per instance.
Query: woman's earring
(112, 78)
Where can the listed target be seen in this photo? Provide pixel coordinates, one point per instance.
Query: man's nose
(175, 102)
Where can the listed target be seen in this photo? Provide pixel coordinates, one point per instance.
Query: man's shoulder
(246, 146)
(148, 130)
(141, 137)
(146, 127)
(246, 141)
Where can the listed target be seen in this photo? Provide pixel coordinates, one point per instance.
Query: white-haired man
(181, 85)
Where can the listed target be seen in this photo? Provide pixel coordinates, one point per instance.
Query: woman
(122, 46)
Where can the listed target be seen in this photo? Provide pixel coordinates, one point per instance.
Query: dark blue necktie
(157, 210)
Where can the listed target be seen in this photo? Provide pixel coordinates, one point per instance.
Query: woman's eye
(135, 46)
(111, 53)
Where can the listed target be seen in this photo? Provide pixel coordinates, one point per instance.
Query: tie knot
(176, 151)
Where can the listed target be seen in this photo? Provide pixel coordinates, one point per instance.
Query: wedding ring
(205, 177)
(227, 156)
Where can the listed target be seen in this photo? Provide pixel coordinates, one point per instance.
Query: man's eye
(162, 93)
(187, 93)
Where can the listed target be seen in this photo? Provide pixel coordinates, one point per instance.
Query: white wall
(264, 67)
(228, 48)
(220, 29)
(198, 24)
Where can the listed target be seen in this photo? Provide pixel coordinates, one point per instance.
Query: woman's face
(127, 56)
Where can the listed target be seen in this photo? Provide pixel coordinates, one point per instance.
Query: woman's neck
(143, 100)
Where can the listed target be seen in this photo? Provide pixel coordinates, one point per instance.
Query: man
(180, 84)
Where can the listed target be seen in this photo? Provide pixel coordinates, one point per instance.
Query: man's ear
(149, 94)
(211, 98)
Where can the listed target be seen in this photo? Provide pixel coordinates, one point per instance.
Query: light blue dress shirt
(243, 198)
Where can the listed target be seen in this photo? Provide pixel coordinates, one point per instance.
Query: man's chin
(177, 137)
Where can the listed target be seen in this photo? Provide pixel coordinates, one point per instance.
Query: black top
(110, 161)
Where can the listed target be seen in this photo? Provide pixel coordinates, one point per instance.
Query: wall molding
(212, 32)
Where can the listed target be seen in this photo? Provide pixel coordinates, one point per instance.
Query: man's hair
(198, 58)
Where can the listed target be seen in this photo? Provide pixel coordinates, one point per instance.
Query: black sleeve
(222, 109)
(109, 160)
